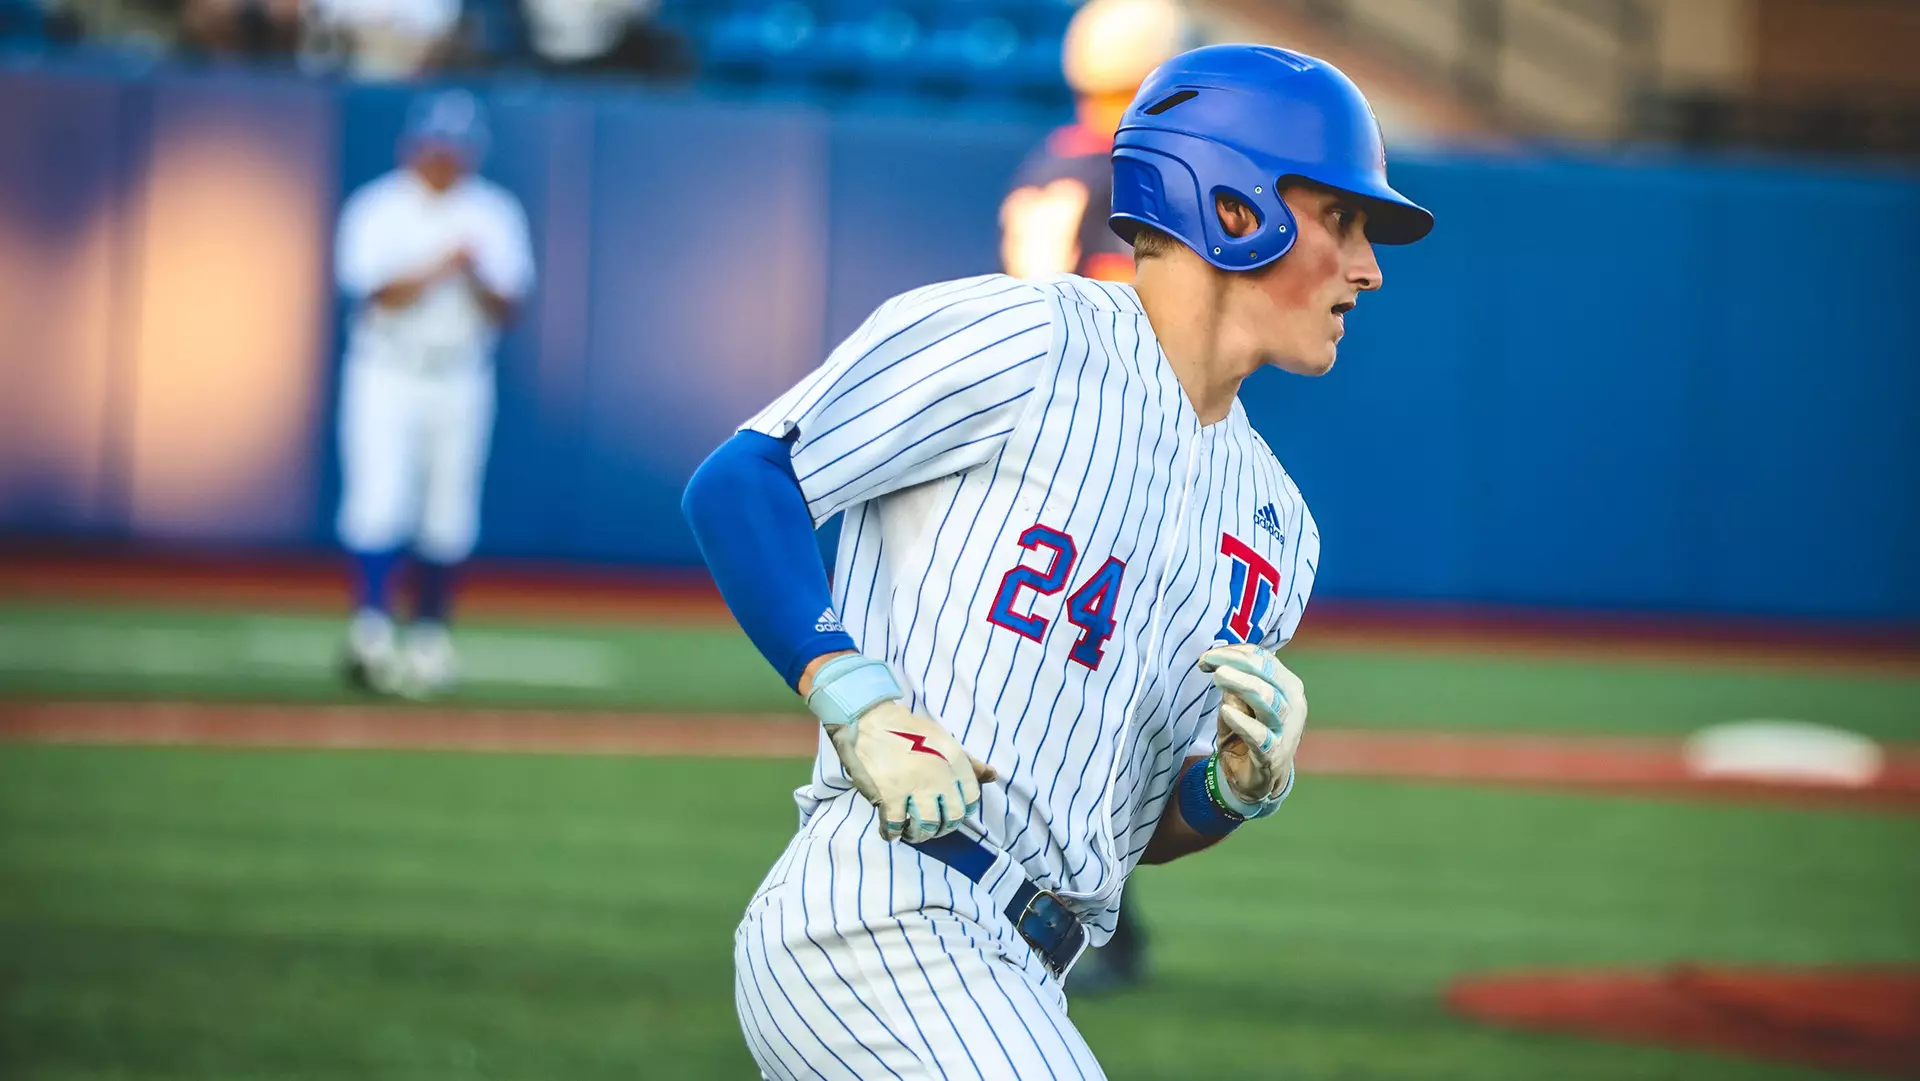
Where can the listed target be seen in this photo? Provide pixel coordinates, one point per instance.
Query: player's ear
(1236, 218)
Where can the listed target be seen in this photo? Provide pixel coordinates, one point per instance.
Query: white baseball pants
(864, 959)
(413, 455)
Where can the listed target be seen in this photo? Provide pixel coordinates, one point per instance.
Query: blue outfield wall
(1654, 384)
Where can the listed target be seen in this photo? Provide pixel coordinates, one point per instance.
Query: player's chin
(1308, 362)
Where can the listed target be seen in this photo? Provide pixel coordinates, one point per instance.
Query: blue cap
(1241, 120)
(452, 118)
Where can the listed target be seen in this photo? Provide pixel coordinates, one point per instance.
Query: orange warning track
(1646, 766)
(377, 727)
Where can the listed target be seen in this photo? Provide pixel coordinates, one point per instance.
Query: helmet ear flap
(1274, 228)
(1154, 187)
(1279, 231)
(1270, 238)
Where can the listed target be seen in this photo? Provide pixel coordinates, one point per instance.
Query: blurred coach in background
(434, 260)
(1054, 221)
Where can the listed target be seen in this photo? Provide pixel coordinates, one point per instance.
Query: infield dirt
(1618, 764)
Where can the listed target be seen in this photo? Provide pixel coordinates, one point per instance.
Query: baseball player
(1054, 221)
(1047, 652)
(434, 259)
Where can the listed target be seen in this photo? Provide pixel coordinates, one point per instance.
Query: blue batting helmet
(451, 118)
(1240, 120)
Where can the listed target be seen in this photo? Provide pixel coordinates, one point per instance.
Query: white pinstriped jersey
(1041, 539)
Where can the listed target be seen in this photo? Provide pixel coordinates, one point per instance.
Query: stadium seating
(984, 49)
(21, 21)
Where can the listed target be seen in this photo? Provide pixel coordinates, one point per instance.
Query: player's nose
(1364, 270)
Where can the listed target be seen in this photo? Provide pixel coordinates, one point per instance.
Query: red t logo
(1254, 583)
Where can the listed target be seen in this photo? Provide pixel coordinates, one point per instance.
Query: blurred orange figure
(1054, 221)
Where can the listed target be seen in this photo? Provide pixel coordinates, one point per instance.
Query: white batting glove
(1263, 712)
(923, 781)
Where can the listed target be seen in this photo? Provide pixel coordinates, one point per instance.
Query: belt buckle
(1067, 926)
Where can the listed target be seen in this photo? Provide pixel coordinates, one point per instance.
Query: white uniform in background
(416, 395)
(1041, 539)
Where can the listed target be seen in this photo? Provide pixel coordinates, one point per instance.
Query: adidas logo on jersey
(828, 623)
(1269, 519)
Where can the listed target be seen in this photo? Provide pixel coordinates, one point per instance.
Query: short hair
(1150, 243)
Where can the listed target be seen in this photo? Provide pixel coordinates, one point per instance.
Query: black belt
(1037, 914)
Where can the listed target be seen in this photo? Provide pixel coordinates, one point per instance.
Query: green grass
(224, 654)
(131, 652)
(1461, 690)
(205, 914)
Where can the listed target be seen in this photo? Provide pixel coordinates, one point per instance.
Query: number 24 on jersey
(1089, 607)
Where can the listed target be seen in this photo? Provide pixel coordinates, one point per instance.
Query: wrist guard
(847, 687)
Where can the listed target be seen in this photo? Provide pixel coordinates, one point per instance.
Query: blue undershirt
(751, 521)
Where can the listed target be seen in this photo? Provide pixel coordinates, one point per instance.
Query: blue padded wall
(1659, 383)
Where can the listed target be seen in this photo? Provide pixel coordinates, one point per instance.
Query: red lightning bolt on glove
(918, 742)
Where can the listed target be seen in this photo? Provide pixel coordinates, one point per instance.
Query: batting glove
(1263, 712)
(923, 781)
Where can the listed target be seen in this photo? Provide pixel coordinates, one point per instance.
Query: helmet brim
(1396, 221)
(1392, 218)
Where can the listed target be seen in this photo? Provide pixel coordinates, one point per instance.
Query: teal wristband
(846, 687)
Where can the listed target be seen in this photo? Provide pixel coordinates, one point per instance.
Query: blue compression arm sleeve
(756, 534)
